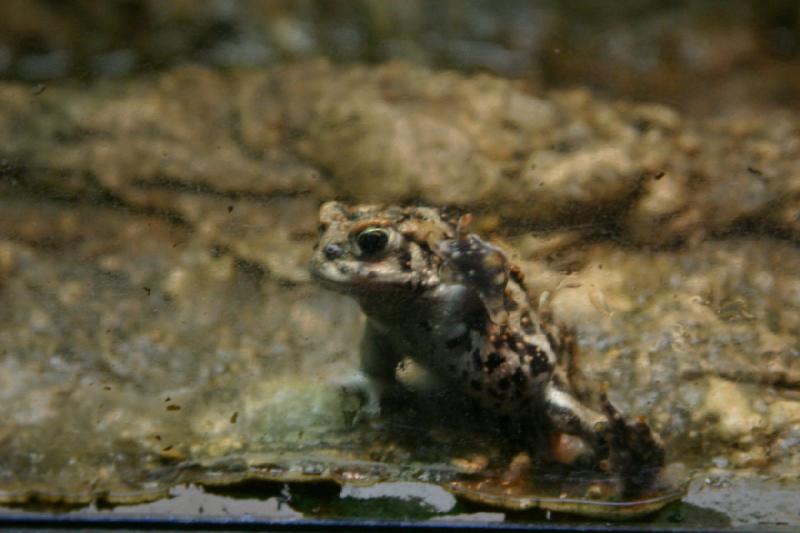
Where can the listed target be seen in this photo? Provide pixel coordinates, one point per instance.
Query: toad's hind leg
(628, 450)
(567, 414)
(635, 452)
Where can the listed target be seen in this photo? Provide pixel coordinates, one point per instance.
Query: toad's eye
(372, 240)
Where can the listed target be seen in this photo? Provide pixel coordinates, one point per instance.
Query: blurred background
(679, 52)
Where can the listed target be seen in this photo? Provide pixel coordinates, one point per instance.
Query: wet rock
(561, 158)
(156, 307)
(701, 339)
(456, 140)
(399, 133)
(719, 175)
(727, 407)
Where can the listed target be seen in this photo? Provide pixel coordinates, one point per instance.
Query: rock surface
(155, 306)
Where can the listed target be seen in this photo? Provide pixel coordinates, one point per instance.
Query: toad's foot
(367, 393)
(635, 452)
(366, 397)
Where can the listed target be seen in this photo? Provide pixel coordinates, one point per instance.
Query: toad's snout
(332, 251)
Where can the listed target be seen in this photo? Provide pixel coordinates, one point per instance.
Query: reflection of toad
(454, 304)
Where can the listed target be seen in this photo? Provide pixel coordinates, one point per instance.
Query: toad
(455, 305)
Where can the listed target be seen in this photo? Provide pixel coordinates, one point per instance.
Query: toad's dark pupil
(372, 240)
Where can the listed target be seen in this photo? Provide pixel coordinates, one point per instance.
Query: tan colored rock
(160, 266)
(730, 411)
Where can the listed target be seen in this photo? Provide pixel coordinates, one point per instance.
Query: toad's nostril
(333, 251)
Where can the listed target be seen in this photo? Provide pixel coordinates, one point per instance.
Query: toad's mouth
(354, 277)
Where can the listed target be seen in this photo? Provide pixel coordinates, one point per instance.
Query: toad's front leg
(375, 380)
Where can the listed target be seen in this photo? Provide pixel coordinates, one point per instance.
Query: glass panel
(424, 260)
